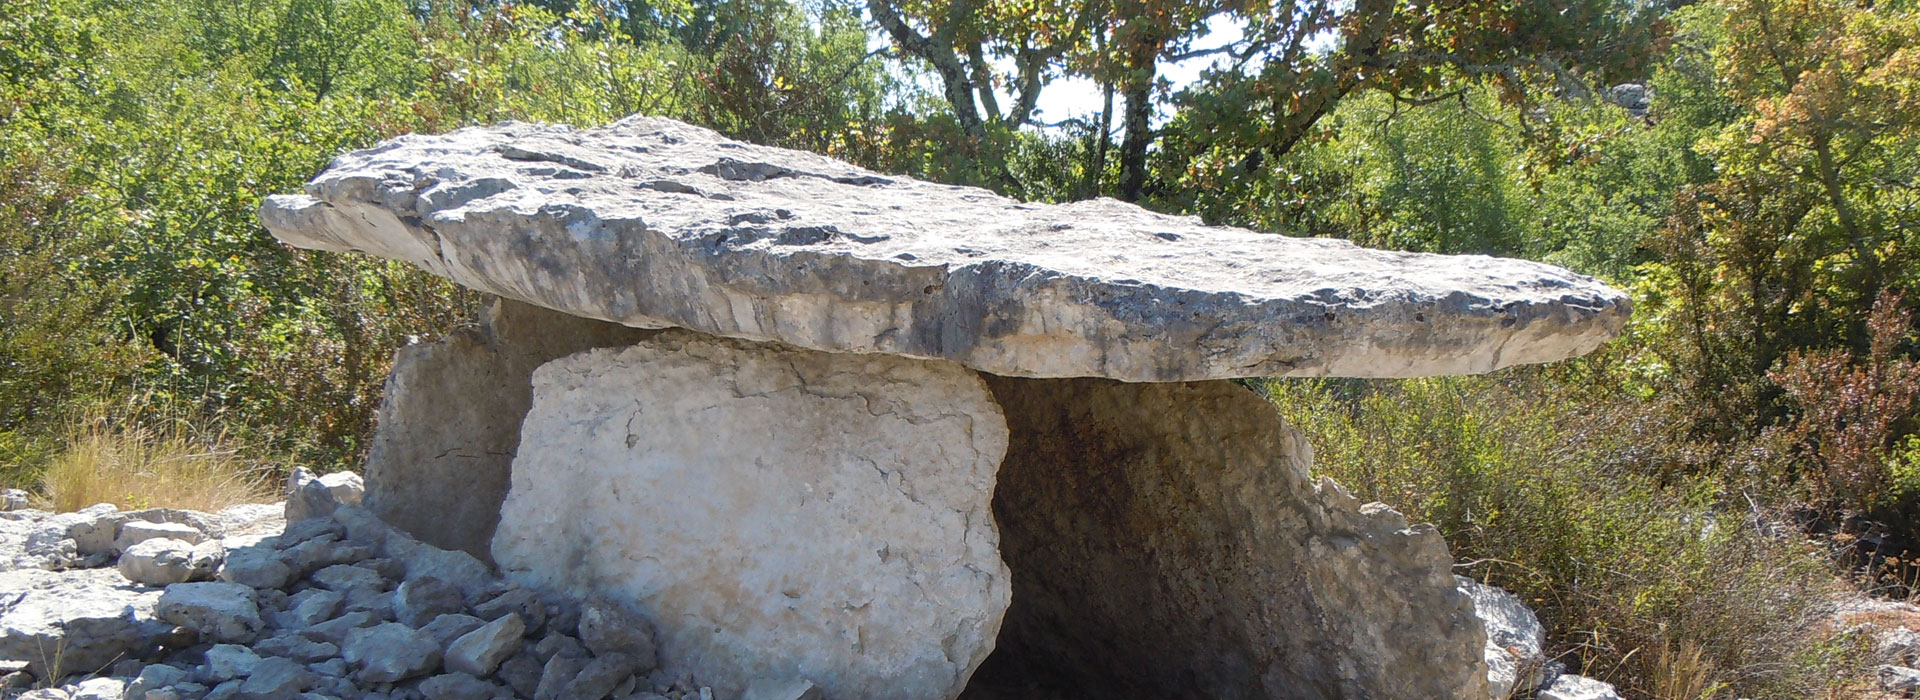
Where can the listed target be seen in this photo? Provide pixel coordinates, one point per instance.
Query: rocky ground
(316, 598)
(323, 602)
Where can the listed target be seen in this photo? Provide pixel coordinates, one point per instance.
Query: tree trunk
(1133, 149)
(1097, 174)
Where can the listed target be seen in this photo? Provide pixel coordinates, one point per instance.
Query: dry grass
(1683, 673)
(140, 467)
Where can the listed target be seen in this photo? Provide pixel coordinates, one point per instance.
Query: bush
(1648, 579)
(1851, 416)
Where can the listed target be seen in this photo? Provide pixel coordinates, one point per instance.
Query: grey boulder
(136, 531)
(1571, 687)
(276, 678)
(75, 621)
(418, 601)
(310, 496)
(256, 567)
(166, 561)
(480, 651)
(390, 652)
(608, 628)
(653, 223)
(226, 662)
(1516, 643)
(219, 611)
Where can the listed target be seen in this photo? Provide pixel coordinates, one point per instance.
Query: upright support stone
(776, 512)
(1167, 542)
(450, 420)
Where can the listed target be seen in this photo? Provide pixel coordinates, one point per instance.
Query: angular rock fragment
(310, 496)
(219, 611)
(1571, 687)
(390, 652)
(558, 672)
(608, 628)
(256, 567)
(155, 677)
(275, 678)
(310, 607)
(418, 601)
(166, 561)
(335, 631)
(459, 686)
(850, 496)
(447, 628)
(226, 662)
(676, 226)
(99, 689)
(80, 539)
(599, 677)
(136, 531)
(1166, 541)
(1516, 652)
(297, 647)
(480, 651)
(347, 578)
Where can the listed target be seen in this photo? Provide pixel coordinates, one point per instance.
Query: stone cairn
(779, 427)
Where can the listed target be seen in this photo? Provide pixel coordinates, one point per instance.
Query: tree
(1815, 210)
(960, 40)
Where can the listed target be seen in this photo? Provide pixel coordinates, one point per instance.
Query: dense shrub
(1672, 587)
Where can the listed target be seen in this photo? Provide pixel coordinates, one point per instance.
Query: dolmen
(819, 423)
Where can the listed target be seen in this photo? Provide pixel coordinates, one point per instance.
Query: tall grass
(1672, 583)
(140, 466)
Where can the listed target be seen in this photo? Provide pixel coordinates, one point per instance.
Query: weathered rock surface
(1571, 687)
(1516, 652)
(390, 652)
(480, 651)
(218, 611)
(75, 621)
(312, 496)
(653, 223)
(1167, 542)
(450, 422)
(776, 512)
(162, 561)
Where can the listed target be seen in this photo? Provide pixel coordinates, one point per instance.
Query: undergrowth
(1669, 583)
(142, 465)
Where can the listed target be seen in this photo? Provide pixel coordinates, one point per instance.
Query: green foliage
(1551, 491)
(139, 140)
(1813, 210)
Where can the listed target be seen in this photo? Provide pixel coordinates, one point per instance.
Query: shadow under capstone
(1166, 541)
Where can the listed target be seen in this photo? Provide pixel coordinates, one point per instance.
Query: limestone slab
(775, 512)
(79, 621)
(1167, 542)
(653, 223)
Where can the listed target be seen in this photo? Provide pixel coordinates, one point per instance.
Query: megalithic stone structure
(801, 481)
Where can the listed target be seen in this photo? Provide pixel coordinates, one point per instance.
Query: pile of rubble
(327, 602)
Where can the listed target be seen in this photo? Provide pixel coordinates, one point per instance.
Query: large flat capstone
(777, 513)
(653, 223)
